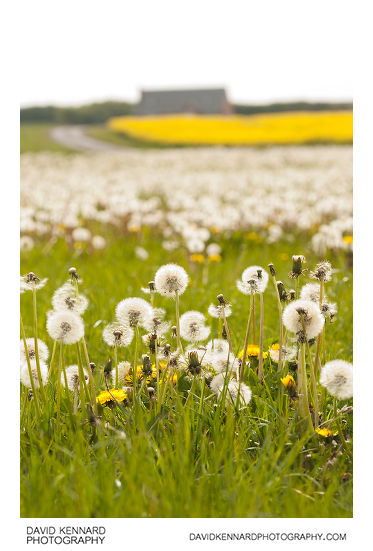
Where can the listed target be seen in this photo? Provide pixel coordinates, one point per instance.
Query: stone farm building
(212, 101)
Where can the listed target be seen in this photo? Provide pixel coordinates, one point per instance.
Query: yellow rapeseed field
(284, 128)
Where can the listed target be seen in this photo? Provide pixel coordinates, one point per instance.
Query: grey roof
(205, 101)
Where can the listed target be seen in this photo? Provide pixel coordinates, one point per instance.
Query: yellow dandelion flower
(326, 432)
(348, 239)
(215, 257)
(252, 352)
(197, 258)
(79, 245)
(134, 229)
(275, 346)
(284, 256)
(288, 381)
(253, 236)
(215, 229)
(106, 397)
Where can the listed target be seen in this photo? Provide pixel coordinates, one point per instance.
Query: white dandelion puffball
(30, 344)
(310, 291)
(141, 253)
(26, 243)
(81, 234)
(313, 319)
(256, 277)
(233, 388)
(133, 311)
(213, 249)
(98, 242)
(72, 376)
(65, 298)
(117, 334)
(217, 346)
(192, 326)
(323, 271)
(65, 326)
(217, 311)
(337, 377)
(30, 281)
(25, 375)
(155, 324)
(171, 279)
(123, 370)
(236, 388)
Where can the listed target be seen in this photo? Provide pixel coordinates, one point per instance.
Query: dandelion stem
(36, 344)
(279, 306)
(179, 345)
(90, 375)
(313, 378)
(260, 368)
(83, 386)
(116, 364)
(32, 382)
(253, 317)
(52, 359)
(59, 385)
(302, 389)
(134, 370)
(76, 387)
(340, 427)
(227, 330)
(243, 363)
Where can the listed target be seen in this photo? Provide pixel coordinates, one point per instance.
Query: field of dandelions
(186, 333)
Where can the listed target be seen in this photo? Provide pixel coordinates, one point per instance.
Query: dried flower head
(117, 334)
(256, 278)
(219, 310)
(72, 376)
(192, 326)
(235, 391)
(310, 291)
(133, 311)
(171, 279)
(66, 298)
(30, 344)
(65, 326)
(337, 377)
(303, 317)
(297, 270)
(30, 282)
(25, 375)
(123, 371)
(322, 271)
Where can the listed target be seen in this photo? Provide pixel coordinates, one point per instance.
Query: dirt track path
(75, 137)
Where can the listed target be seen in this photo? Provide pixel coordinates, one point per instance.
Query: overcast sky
(77, 51)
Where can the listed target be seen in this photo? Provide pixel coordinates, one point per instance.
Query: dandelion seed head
(310, 291)
(30, 344)
(255, 274)
(65, 326)
(192, 326)
(123, 371)
(117, 334)
(217, 311)
(322, 271)
(133, 311)
(72, 376)
(337, 377)
(171, 279)
(25, 376)
(312, 317)
(65, 298)
(30, 281)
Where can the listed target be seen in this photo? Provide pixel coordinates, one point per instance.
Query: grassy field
(35, 138)
(279, 129)
(194, 458)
